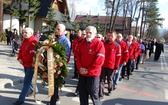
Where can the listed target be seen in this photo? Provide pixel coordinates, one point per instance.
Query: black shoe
(109, 93)
(114, 87)
(76, 93)
(101, 98)
(75, 77)
(128, 77)
(12, 54)
(121, 78)
(18, 103)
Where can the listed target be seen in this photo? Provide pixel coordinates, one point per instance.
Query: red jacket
(131, 50)
(90, 56)
(112, 55)
(75, 44)
(124, 52)
(137, 49)
(26, 52)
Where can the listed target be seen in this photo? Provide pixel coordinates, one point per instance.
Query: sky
(87, 7)
(163, 8)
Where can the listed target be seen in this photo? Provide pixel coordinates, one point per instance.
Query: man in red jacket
(75, 44)
(137, 53)
(89, 60)
(132, 56)
(80, 36)
(124, 58)
(111, 63)
(25, 57)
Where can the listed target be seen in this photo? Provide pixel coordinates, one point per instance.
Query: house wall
(6, 22)
(15, 23)
(38, 24)
(32, 24)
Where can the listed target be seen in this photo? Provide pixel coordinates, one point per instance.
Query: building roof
(44, 6)
(101, 19)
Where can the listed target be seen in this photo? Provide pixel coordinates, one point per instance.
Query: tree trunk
(29, 15)
(1, 18)
(10, 23)
(141, 36)
(136, 29)
(115, 15)
(125, 10)
(29, 20)
(112, 12)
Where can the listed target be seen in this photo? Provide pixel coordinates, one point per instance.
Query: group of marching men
(120, 57)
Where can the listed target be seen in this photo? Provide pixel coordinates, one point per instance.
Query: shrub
(3, 37)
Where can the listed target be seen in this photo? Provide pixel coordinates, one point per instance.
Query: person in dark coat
(159, 48)
(8, 36)
(152, 43)
(72, 36)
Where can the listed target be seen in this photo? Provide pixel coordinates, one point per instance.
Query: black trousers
(128, 68)
(75, 68)
(109, 73)
(150, 52)
(55, 96)
(8, 41)
(157, 55)
(137, 61)
(88, 86)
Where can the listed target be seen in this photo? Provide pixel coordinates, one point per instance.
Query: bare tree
(116, 12)
(125, 9)
(72, 8)
(112, 14)
(132, 10)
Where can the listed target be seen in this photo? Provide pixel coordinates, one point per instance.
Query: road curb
(11, 83)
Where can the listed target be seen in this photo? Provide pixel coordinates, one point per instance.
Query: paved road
(11, 72)
(147, 86)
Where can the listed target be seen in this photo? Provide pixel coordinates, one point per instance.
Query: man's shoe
(109, 93)
(58, 102)
(75, 77)
(76, 93)
(114, 87)
(101, 98)
(128, 77)
(121, 78)
(18, 103)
